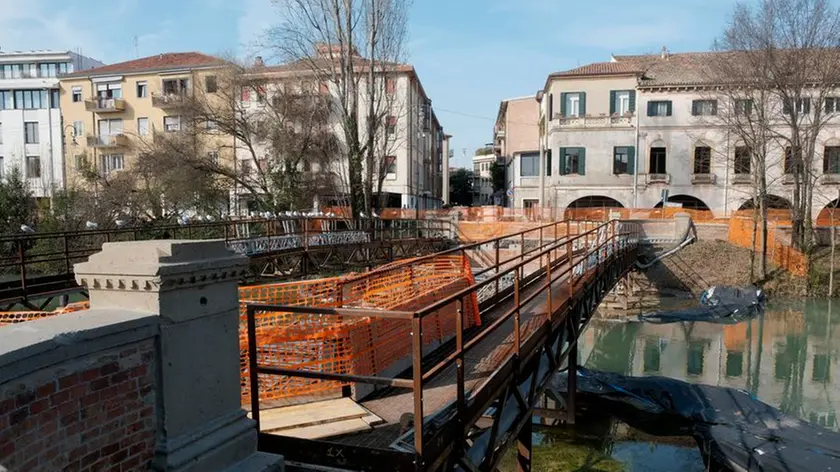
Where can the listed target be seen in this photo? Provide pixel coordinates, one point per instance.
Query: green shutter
(582, 161)
(612, 102)
(583, 104)
(550, 106)
(563, 104)
(631, 160)
(561, 159)
(548, 162)
(633, 101)
(670, 109)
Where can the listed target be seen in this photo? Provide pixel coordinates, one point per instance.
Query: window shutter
(694, 107)
(548, 162)
(829, 105)
(714, 107)
(561, 159)
(583, 104)
(825, 160)
(550, 106)
(670, 109)
(563, 104)
(631, 160)
(632, 101)
(582, 161)
(650, 108)
(612, 103)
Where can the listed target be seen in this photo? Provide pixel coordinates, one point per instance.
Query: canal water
(788, 358)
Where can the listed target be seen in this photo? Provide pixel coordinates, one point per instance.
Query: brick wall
(92, 413)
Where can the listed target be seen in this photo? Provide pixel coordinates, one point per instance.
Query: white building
(618, 133)
(30, 118)
(414, 144)
(483, 179)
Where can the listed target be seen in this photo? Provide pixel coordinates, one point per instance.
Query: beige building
(110, 111)
(516, 133)
(483, 179)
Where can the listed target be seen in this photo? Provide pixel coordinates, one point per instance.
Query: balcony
(168, 101)
(105, 105)
(742, 179)
(830, 179)
(703, 179)
(658, 179)
(601, 121)
(107, 141)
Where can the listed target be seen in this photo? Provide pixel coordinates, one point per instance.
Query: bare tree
(789, 50)
(324, 38)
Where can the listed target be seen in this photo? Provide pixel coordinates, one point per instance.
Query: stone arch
(688, 201)
(774, 202)
(577, 208)
(829, 214)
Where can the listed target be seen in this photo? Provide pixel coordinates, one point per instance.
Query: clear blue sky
(469, 54)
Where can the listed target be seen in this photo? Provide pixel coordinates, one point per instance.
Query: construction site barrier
(781, 253)
(12, 317)
(351, 345)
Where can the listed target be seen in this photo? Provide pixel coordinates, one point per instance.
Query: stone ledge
(34, 345)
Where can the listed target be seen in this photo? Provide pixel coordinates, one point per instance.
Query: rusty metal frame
(534, 359)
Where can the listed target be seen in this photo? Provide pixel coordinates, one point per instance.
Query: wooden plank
(325, 430)
(310, 414)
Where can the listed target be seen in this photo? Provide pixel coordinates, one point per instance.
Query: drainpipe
(726, 177)
(637, 159)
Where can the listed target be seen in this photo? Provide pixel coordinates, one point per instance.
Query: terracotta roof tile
(601, 68)
(159, 62)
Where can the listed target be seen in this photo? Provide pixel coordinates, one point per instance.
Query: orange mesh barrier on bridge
(351, 344)
(12, 317)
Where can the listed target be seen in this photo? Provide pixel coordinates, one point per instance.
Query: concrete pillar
(192, 286)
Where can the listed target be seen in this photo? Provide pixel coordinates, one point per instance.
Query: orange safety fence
(351, 345)
(781, 253)
(12, 317)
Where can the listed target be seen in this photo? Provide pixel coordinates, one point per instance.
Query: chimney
(664, 54)
(258, 61)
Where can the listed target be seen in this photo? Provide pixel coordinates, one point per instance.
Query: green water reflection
(787, 358)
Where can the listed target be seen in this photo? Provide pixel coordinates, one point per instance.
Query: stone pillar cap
(162, 264)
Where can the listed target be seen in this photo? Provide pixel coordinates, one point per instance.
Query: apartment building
(110, 111)
(30, 118)
(516, 138)
(413, 144)
(483, 179)
(633, 130)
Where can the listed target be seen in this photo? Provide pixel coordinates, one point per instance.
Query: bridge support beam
(572, 393)
(524, 447)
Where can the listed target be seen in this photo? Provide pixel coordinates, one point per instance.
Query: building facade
(412, 143)
(516, 134)
(30, 117)
(111, 111)
(639, 128)
(483, 179)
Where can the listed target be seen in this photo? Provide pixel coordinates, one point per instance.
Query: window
(734, 363)
(831, 160)
(704, 107)
(2, 168)
(142, 126)
(78, 128)
(657, 161)
(142, 89)
(33, 167)
(391, 165)
(109, 128)
(832, 105)
(12, 71)
(622, 102)
(30, 132)
(743, 107)
(652, 356)
(391, 127)
(789, 164)
(54, 101)
(176, 86)
(803, 105)
(31, 99)
(822, 368)
(624, 161)
(80, 161)
(245, 167)
(6, 100)
(210, 84)
(694, 361)
(572, 161)
(213, 157)
(659, 108)
(50, 69)
(171, 123)
(112, 90)
(77, 94)
(260, 94)
(573, 104)
(110, 162)
(390, 86)
(529, 165)
(742, 160)
(245, 96)
(702, 160)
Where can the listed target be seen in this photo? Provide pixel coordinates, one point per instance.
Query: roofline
(554, 76)
(92, 73)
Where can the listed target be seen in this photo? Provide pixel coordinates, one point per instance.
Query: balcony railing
(608, 121)
(700, 179)
(659, 178)
(105, 105)
(168, 100)
(107, 141)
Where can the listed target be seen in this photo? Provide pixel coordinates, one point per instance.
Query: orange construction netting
(782, 253)
(343, 344)
(12, 317)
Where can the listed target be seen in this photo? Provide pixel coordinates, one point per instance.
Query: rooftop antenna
(136, 48)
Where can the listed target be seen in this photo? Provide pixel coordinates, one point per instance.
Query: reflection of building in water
(787, 359)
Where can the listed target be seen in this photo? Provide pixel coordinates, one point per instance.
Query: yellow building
(111, 111)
